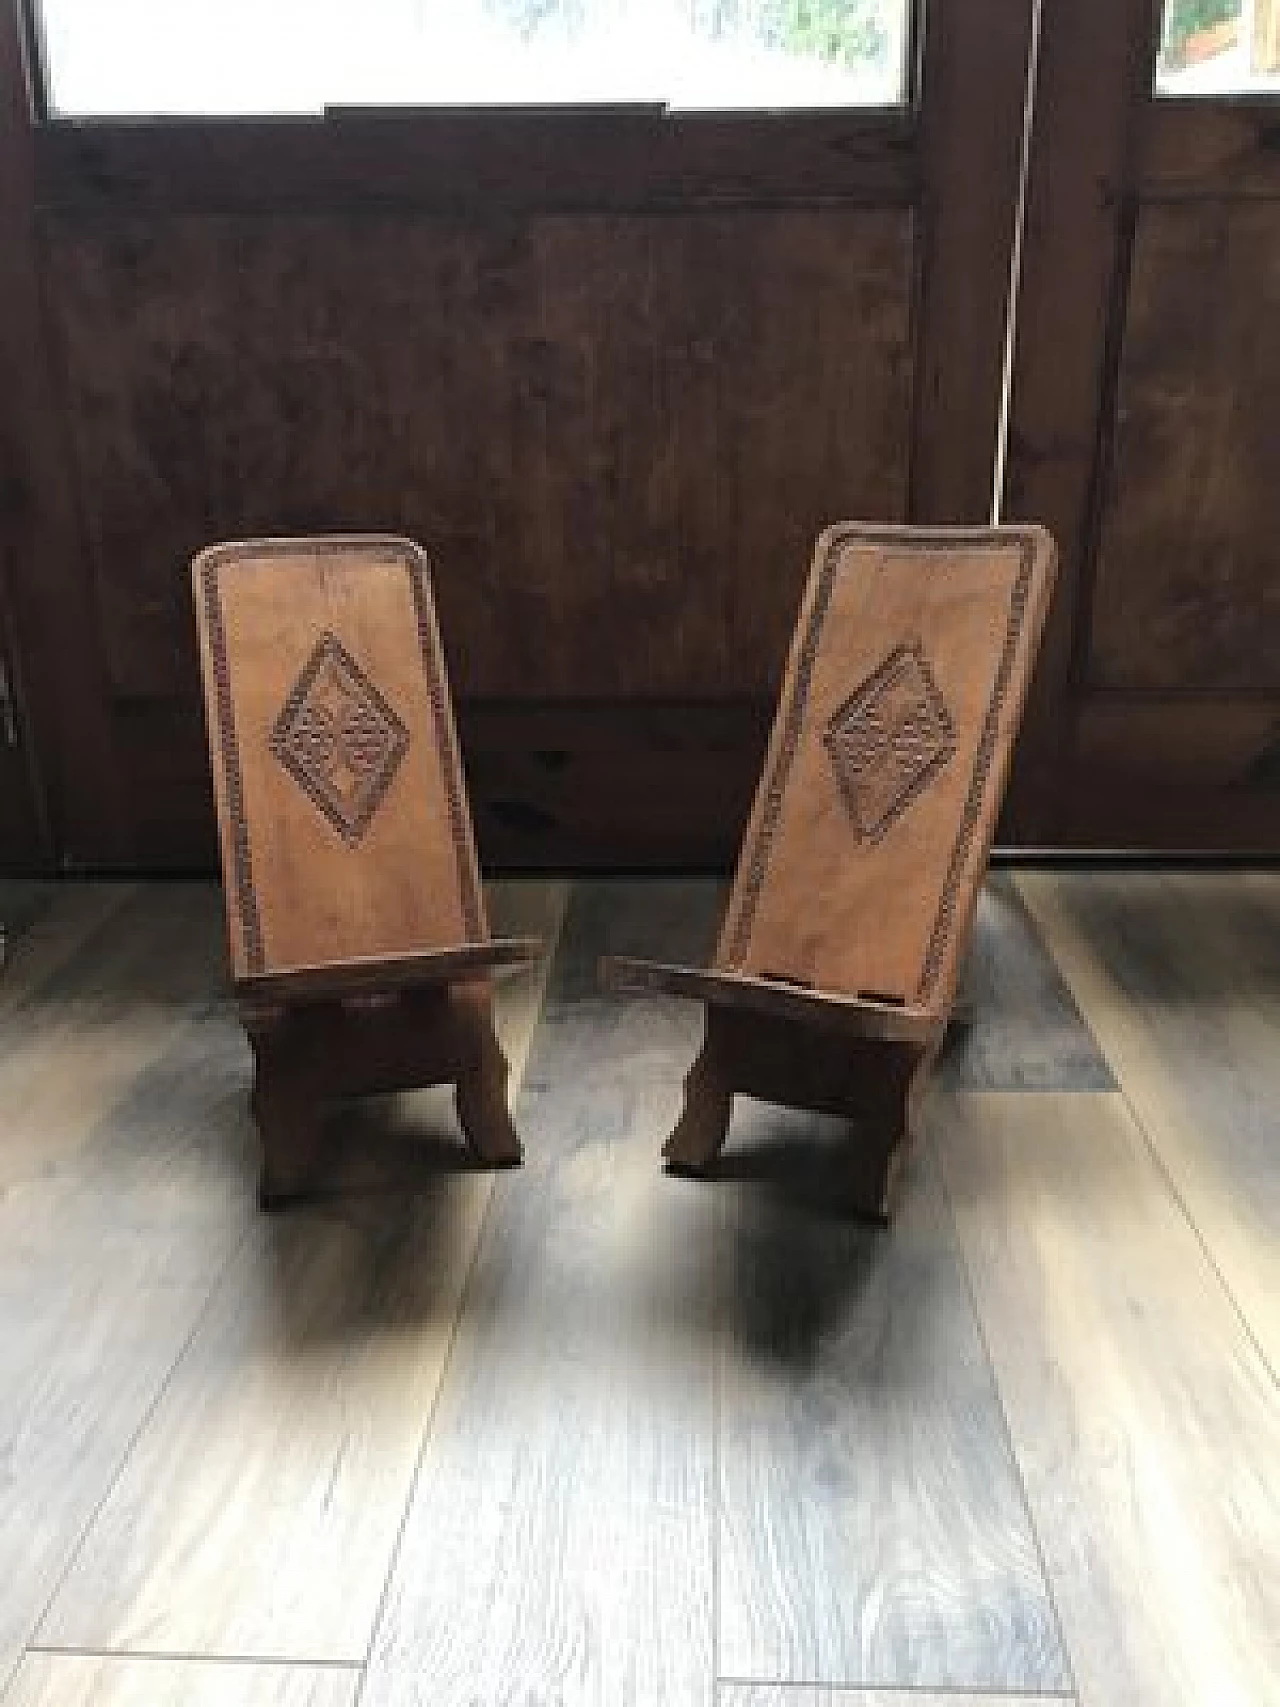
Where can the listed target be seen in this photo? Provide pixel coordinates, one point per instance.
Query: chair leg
(289, 1120)
(700, 1132)
(483, 1112)
(880, 1144)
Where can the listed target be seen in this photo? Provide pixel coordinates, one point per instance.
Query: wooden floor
(583, 1434)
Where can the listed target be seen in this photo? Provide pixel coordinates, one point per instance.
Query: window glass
(290, 56)
(1220, 47)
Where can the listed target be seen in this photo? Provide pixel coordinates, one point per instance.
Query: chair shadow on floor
(799, 1264)
(375, 1253)
(808, 1291)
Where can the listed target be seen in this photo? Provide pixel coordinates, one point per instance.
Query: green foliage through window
(838, 32)
(1186, 18)
(841, 32)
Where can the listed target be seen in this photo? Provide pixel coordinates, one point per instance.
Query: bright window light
(118, 57)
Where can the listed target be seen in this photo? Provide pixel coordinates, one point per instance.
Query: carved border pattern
(233, 785)
(793, 724)
(942, 925)
(415, 563)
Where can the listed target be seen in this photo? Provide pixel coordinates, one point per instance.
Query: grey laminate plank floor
(302, 1398)
(108, 1251)
(1179, 976)
(1145, 1422)
(872, 1522)
(22, 902)
(559, 1545)
(587, 1434)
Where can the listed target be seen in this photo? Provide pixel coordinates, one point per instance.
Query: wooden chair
(838, 958)
(360, 953)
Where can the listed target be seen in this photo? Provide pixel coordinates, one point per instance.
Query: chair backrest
(872, 825)
(341, 805)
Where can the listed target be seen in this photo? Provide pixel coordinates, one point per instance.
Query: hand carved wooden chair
(838, 958)
(360, 953)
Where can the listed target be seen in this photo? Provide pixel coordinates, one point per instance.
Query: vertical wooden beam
(1096, 76)
(973, 87)
(41, 539)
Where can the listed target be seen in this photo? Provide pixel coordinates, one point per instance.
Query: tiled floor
(587, 1434)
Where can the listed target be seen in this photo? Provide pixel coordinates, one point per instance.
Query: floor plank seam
(719, 1258)
(159, 1656)
(1037, 930)
(393, 1558)
(858, 1692)
(144, 1423)
(553, 948)
(935, 1162)
(1153, 1148)
(1171, 1186)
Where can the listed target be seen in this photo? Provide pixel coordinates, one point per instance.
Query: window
(115, 57)
(1219, 47)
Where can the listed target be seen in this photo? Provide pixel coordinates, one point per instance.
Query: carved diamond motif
(889, 740)
(339, 739)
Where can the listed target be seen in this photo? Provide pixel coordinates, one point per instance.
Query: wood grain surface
(1144, 1420)
(873, 1529)
(1179, 976)
(96, 1680)
(259, 1508)
(539, 401)
(559, 1544)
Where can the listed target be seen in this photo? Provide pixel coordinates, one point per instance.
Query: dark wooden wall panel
(616, 368)
(1187, 594)
(617, 436)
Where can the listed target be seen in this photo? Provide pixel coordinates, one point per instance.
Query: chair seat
(390, 974)
(856, 1016)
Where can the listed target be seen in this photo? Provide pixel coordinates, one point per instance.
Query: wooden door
(613, 368)
(1145, 426)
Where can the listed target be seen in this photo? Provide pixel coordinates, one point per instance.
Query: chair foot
(880, 1146)
(483, 1112)
(289, 1125)
(700, 1132)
